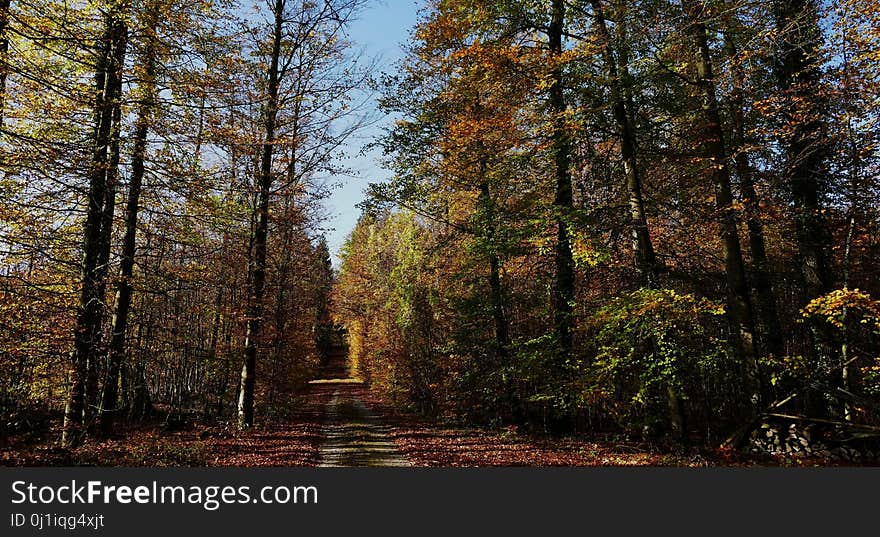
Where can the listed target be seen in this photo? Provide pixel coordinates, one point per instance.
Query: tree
(805, 145)
(146, 71)
(643, 248)
(257, 266)
(738, 301)
(296, 29)
(87, 335)
(762, 281)
(4, 50)
(324, 327)
(563, 199)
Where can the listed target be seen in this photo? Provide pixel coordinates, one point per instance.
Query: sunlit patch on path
(337, 381)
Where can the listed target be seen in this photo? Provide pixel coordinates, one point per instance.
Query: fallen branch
(847, 424)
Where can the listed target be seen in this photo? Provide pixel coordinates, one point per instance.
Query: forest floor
(337, 421)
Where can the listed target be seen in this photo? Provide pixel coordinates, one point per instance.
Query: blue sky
(381, 30)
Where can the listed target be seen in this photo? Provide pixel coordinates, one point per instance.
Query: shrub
(652, 345)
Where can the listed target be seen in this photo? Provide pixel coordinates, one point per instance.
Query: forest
(648, 225)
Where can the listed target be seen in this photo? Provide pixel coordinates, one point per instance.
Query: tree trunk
(225, 380)
(92, 403)
(214, 372)
(806, 147)
(502, 335)
(88, 323)
(496, 291)
(499, 316)
(5, 5)
(563, 200)
(798, 75)
(643, 248)
(257, 278)
(677, 420)
(141, 404)
(738, 303)
(767, 312)
(4, 50)
(119, 324)
(280, 319)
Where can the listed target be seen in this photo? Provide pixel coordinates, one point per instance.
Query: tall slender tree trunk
(225, 379)
(141, 404)
(5, 5)
(643, 248)
(119, 324)
(766, 302)
(806, 148)
(280, 319)
(4, 50)
(257, 278)
(563, 199)
(798, 75)
(739, 307)
(502, 326)
(92, 404)
(89, 315)
(227, 330)
(496, 293)
(499, 315)
(216, 321)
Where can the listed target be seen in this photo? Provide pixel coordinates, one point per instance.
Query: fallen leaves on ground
(296, 441)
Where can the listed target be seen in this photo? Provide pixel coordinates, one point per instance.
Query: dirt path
(353, 434)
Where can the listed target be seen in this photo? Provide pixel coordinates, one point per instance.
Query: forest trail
(353, 435)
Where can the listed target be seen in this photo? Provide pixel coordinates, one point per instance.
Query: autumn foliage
(723, 164)
(648, 218)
